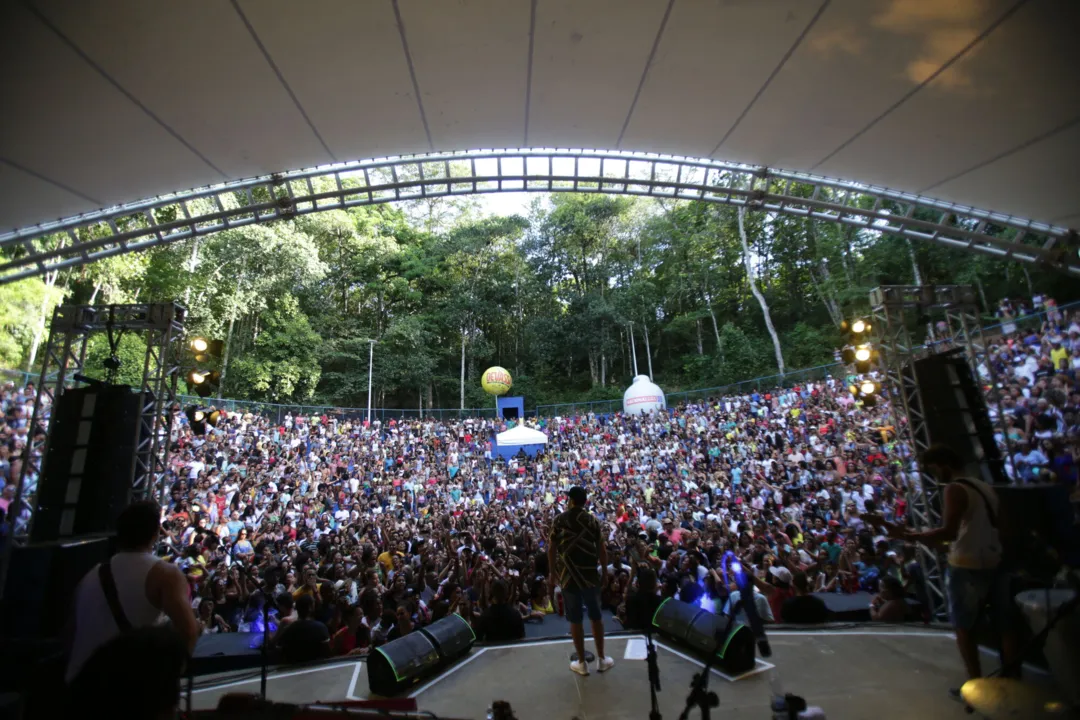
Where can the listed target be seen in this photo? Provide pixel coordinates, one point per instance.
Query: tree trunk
(700, 344)
(50, 283)
(716, 330)
(593, 375)
(225, 359)
(93, 295)
(830, 306)
(228, 338)
(193, 261)
(648, 351)
(1027, 277)
(462, 368)
(914, 263)
(982, 294)
(757, 293)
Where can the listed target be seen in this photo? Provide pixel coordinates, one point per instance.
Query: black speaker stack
(699, 630)
(86, 475)
(401, 664)
(85, 484)
(955, 413)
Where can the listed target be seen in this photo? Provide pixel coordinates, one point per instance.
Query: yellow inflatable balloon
(496, 381)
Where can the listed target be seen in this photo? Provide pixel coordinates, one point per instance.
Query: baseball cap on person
(781, 573)
(577, 494)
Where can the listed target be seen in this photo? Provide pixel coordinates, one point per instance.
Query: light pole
(370, 367)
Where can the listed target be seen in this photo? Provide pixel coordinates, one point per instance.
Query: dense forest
(711, 296)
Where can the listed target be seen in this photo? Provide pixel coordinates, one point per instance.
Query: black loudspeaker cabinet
(41, 583)
(673, 618)
(697, 629)
(86, 477)
(1037, 518)
(452, 636)
(401, 664)
(955, 412)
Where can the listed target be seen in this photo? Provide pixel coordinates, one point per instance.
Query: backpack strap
(986, 501)
(112, 597)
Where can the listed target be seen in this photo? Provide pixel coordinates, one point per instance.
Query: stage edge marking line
(307, 671)
(350, 693)
(448, 673)
(759, 664)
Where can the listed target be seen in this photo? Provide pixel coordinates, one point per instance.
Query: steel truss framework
(891, 306)
(162, 325)
(170, 218)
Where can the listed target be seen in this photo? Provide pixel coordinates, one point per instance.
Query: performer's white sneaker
(605, 664)
(579, 667)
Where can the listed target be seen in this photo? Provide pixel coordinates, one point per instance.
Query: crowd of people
(341, 535)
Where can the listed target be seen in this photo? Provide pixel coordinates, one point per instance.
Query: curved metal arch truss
(179, 216)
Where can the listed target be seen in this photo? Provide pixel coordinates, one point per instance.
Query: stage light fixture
(199, 417)
(862, 353)
(868, 387)
(195, 416)
(199, 345)
(853, 389)
(847, 355)
(196, 377)
(859, 327)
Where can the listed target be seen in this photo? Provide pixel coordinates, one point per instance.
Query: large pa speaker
(1038, 518)
(452, 637)
(401, 664)
(673, 618)
(41, 583)
(955, 413)
(697, 629)
(86, 476)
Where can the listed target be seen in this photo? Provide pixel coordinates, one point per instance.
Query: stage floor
(857, 674)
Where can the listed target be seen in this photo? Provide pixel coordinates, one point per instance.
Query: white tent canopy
(521, 435)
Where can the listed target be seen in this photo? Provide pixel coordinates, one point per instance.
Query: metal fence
(280, 412)
(1028, 322)
(687, 396)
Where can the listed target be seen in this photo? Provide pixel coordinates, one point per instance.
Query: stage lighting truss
(85, 238)
(892, 306)
(64, 356)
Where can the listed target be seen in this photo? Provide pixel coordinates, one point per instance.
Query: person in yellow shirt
(386, 559)
(1058, 353)
(310, 587)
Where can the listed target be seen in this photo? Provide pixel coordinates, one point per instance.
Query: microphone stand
(700, 694)
(265, 649)
(654, 671)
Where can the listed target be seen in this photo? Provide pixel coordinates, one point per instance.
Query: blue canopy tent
(518, 439)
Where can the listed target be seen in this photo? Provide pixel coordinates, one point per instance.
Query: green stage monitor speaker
(696, 629)
(401, 664)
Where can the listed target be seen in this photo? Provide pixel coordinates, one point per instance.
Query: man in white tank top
(973, 580)
(148, 589)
